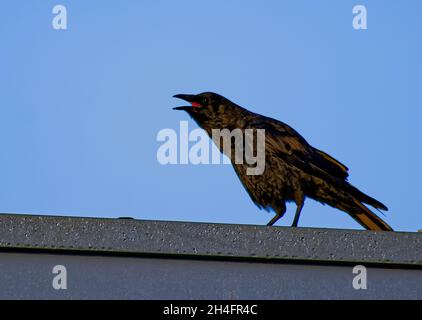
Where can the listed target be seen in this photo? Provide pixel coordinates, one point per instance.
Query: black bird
(294, 169)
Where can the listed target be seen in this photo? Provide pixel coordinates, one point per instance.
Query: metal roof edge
(208, 240)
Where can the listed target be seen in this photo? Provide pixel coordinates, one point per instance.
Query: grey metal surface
(199, 240)
(29, 276)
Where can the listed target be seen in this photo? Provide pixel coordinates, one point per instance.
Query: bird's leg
(280, 211)
(274, 220)
(300, 202)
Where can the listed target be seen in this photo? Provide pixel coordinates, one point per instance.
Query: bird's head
(209, 109)
(204, 104)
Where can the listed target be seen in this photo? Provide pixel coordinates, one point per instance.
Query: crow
(293, 170)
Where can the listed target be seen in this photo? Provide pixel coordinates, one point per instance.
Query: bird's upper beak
(191, 98)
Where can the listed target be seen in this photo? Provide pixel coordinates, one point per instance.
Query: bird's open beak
(191, 98)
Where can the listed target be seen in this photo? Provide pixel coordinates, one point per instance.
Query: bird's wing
(284, 141)
(329, 164)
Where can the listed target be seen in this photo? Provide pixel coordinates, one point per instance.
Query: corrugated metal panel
(134, 259)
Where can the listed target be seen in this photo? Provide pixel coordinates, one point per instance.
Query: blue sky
(80, 108)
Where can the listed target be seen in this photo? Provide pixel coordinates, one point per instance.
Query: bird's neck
(229, 119)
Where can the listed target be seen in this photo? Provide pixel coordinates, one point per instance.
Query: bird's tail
(364, 216)
(349, 199)
(362, 197)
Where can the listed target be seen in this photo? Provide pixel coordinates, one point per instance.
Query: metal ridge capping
(191, 239)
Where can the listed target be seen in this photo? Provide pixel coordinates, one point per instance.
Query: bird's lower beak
(186, 108)
(191, 98)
